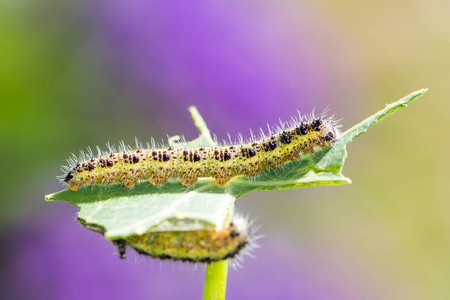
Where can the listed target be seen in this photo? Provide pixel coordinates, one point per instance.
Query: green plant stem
(216, 272)
(215, 280)
(201, 126)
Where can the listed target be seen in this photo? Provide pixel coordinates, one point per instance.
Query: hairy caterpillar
(222, 162)
(204, 245)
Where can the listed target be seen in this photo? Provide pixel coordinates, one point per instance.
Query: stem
(216, 272)
(215, 280)
(201, 126)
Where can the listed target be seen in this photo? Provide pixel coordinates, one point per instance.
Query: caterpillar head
(328, 131)
(68, 177)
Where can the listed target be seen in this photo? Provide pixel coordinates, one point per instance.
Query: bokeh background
(81, 73)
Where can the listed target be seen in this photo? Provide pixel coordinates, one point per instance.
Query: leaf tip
(49, 197)
(192, 109)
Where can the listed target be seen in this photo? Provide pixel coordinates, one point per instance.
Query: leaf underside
(122, 212)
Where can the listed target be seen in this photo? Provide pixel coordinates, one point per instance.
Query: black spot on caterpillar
(223, 162)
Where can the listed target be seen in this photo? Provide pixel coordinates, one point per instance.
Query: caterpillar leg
(188, 181)
(158, 177)
(157, 180)
(74, 187)
(190, 176)
(129, 183)
(221, 181)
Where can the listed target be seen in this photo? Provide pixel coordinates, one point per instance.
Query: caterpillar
(204, 245)
(223, 162)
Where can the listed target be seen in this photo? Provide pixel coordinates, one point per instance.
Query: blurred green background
(70, 76)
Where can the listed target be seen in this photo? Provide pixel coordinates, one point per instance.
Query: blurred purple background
(242, 64)
(55, 258)
(84, 73)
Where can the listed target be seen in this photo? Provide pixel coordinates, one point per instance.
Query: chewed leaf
(122, 212)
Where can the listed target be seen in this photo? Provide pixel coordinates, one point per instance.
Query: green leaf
(134, 211)
(121, 212)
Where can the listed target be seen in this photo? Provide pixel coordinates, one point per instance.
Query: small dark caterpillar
(204, 245)
(222, 163)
